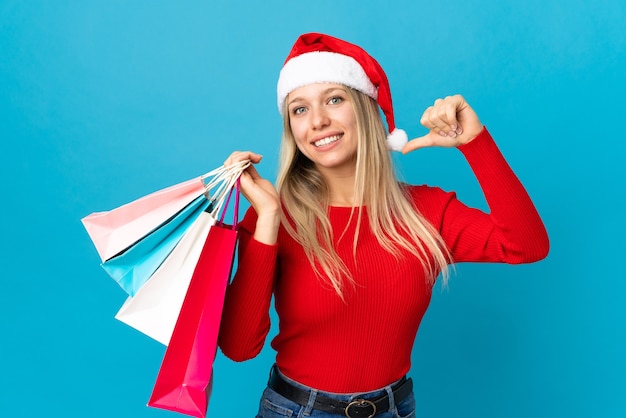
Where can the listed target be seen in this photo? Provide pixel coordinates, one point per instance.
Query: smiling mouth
(327, 140)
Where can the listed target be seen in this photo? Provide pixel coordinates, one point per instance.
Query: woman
(349, 253)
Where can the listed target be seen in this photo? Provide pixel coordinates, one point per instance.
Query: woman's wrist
(266, 230)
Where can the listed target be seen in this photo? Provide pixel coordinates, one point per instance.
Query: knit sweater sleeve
(511, 232)
(245, 318)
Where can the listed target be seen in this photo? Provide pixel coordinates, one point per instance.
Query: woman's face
(323, 123)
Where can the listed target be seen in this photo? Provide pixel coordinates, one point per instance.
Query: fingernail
(453, 127)
(442, 133)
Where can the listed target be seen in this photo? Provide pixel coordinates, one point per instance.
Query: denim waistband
(310, 398)
(342, 396)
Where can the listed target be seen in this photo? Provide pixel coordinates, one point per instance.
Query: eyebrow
(322, 93)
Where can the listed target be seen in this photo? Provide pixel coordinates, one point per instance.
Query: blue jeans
(274, 405)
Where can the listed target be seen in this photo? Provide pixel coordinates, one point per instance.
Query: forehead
(313, 91)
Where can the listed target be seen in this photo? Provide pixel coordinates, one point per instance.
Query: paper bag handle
(236, 208)
(223, 183)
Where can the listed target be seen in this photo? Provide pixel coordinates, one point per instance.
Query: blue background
(105, 101)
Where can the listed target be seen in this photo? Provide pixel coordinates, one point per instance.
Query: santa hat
(319, 58)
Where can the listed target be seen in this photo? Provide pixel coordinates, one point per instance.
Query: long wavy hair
(393, 218)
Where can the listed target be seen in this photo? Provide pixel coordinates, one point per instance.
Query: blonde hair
(393, 217)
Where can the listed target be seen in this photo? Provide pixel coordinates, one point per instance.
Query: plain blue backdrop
(102, 102)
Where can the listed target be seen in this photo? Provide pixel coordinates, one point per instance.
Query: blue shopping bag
(133, 267)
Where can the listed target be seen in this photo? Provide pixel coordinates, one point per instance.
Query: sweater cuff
(482, 136)
(486, 159)
(483, 144)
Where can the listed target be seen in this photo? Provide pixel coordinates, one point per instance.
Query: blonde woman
(349, 253)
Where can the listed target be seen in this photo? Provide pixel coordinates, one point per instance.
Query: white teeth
(326, 141)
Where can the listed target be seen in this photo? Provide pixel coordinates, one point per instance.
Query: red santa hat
(319, 58)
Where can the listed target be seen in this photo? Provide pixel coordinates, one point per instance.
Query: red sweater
(365, 343)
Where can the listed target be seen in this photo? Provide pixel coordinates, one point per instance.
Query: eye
(335, 100)
(298, 110)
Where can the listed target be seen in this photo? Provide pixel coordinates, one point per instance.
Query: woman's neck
(341, 189)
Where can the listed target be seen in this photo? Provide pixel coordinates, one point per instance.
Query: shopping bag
(184, 381)
(155, 307)
(133, 267)
(114, 231)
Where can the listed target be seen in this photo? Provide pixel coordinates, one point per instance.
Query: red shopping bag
(184, 380)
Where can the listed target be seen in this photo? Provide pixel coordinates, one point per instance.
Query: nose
(319, 117)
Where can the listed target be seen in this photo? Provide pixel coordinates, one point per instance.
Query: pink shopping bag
(115, 230)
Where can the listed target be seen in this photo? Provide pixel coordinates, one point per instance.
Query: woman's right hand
(261, 194)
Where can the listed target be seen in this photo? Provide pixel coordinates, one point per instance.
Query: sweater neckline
(346, 211)
(345, 207)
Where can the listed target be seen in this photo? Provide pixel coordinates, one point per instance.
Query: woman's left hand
(451, 121)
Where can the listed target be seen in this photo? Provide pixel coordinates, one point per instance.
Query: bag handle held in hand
(223, 182)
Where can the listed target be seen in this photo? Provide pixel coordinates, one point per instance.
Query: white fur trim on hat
(397, 139)
(322, 67)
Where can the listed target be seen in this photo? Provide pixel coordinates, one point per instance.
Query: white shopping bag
(155, 307)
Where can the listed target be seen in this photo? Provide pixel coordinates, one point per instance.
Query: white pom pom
(397, 139)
